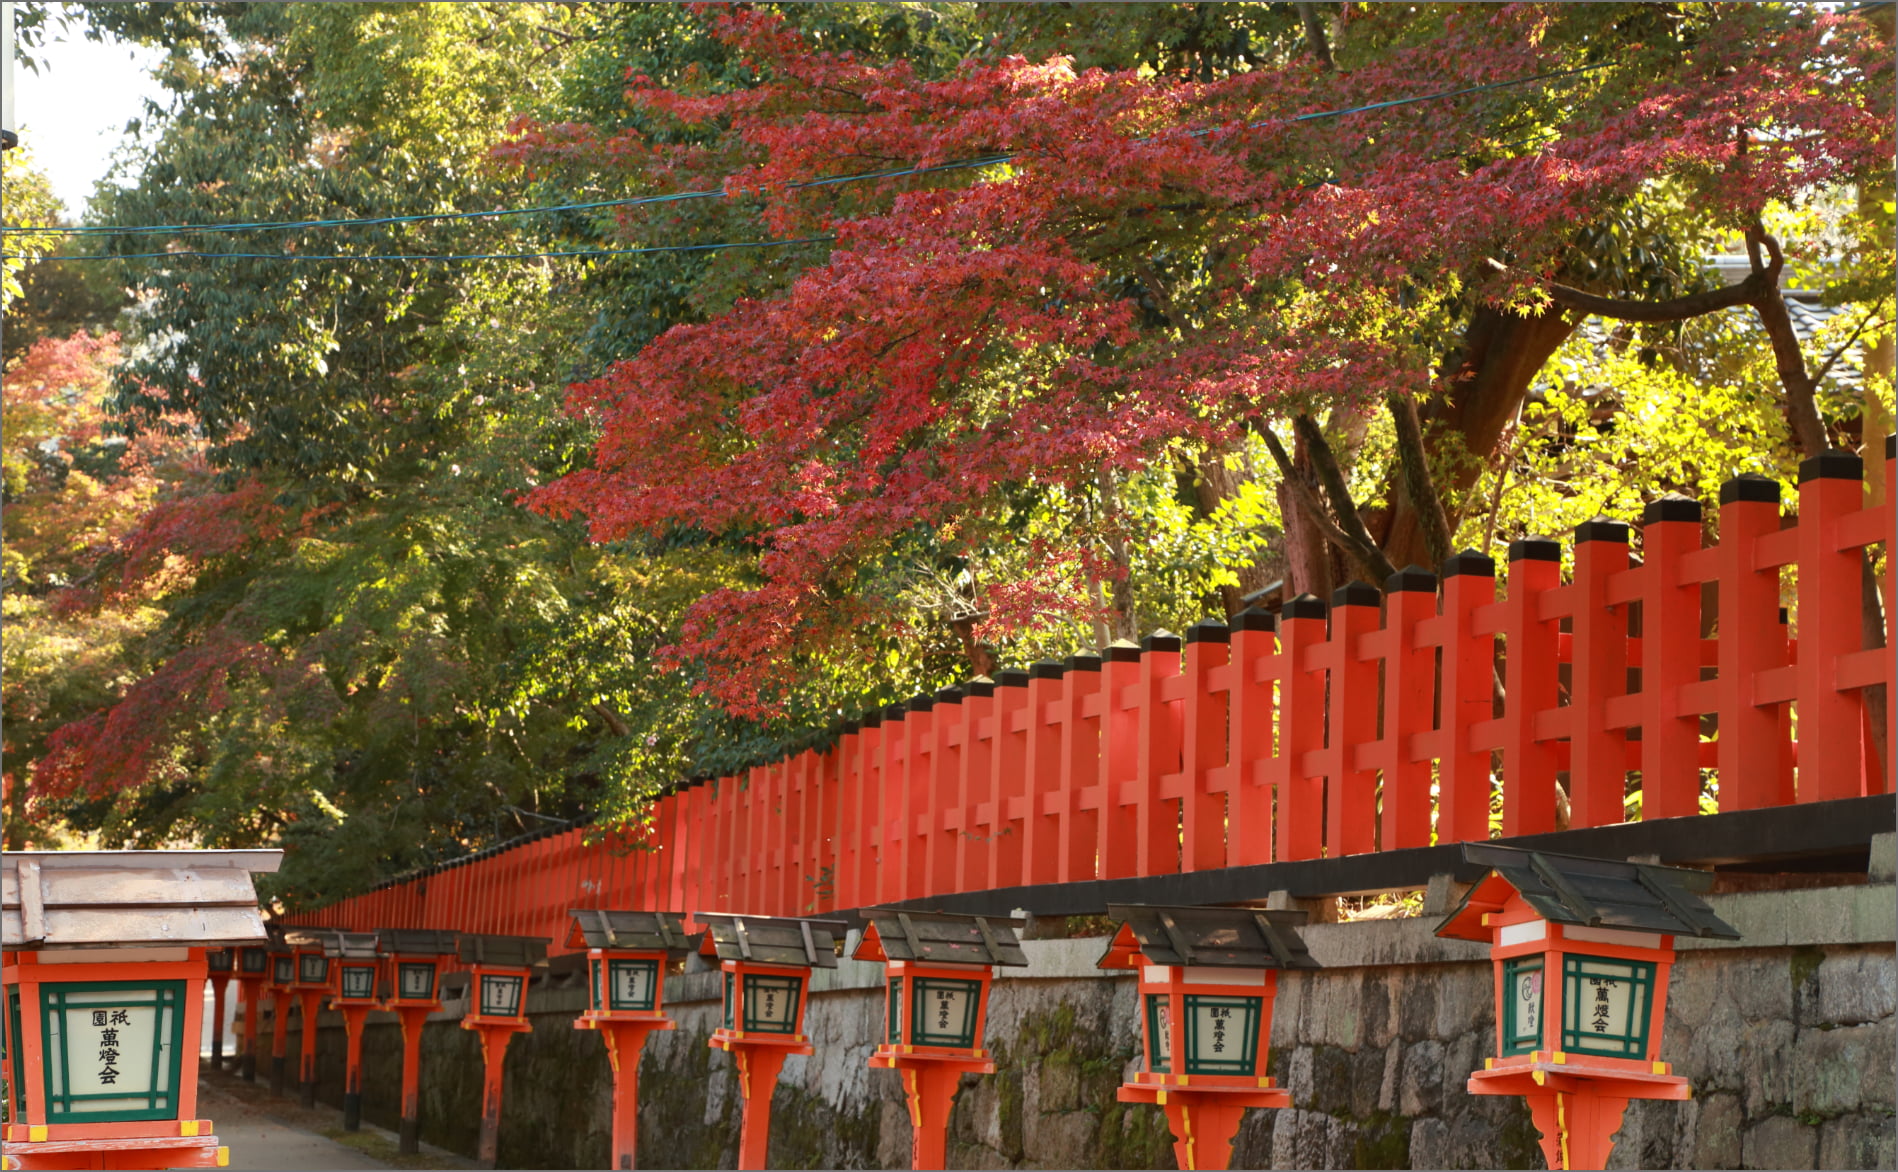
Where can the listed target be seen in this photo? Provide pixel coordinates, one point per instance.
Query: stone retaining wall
(1789, 1041)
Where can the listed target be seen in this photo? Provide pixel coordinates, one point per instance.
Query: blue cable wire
(638, 201)
(303, 256)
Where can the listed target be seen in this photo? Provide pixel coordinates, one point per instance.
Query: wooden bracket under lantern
(767, 962)
(412, 981)
(628, 956)
(1599, 934)
(939, 967)
(500, 968)
(104, 976)
(1208, 978)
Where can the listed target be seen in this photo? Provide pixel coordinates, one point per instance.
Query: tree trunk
(1487, 379)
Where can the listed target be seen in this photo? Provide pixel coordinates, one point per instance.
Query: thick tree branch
(1315, 38)
(1802, 403)
(1414, 475)
(1363, 546)
(1674, 309)
(1359, 546)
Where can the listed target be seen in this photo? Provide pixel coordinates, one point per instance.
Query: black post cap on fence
(1469, 563)
(1085, 661)
(1355, 593)
(1047, 669)
(980, 686)
(1011, 677)
(1412, 579)
(1535, 549)
(1209, 631)
(1161, 641)
(1672, 507)
(1833, 465)
(1602, 529)
(921, 703)
(949, 695)
(1121, 651)
(1306, 606)
(873, 718)
(1750, 486)
(1254, 619)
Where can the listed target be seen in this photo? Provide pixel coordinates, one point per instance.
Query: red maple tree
(1160, 261)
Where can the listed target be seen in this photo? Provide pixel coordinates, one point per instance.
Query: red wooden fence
(1326, 731)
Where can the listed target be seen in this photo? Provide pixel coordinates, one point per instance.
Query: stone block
(1387, 1079)
(1766, 1048)
(893, 1135)
(1063, 1140)
(1779, 1141)
(1715, 1142)
(1859, 1141)
(1857, 985)
(1417, 1005)
(1708, 1052)
(1367, 1077)
(1420, 1086)
(1430, 1143)
(1838, 1071)
(1755, 985)
(1646, 1138)
(1377, 1012)
(1466, 1000)
(1298, 1079)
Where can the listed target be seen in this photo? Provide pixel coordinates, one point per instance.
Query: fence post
(892, 796)
(1467, 698)
(1010, 749)
(1830, 594)
(870, 808)
(976, 786)
(1041, 826)
(1156, 825)
(1203, 748)
(1351, 720)
(1081, 722)
(1254, 659)
(1120, 754)
(849, 816)
(1598, 748)
(1670, 659)
(945, 773)
(1535, 568)
(1409, 688)
(1301, 794)
(919, 772)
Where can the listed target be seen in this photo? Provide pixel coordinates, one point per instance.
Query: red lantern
(355, 966)
(767, 964)
(628, 956)
(939, 967)
(1208, 977)
(412, 963)
(499, 970)
(1582, 949)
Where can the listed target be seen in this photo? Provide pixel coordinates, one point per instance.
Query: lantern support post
(253, 1000)
(939, 968)
(499, 970)
(218, 983)
(279, 1038)
(767, 963)
(354, 966)
(628, 955)
(1208, 980)
(409, 1137)
(307, 1002)
(1582, 949)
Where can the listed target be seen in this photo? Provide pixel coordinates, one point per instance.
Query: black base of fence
(1811, 836)
(352, 1112)
(409, 1139)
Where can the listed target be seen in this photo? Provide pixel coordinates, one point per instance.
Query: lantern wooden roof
(1596, 893)
(417, 941)
(940, 938)
(115, 899)
(1229, 937)
(512, 952)
(632, 931)
(341, 945)
(771, 940)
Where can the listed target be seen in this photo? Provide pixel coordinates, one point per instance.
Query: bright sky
(72, 113)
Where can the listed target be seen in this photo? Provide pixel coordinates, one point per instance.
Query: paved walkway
(268, 1133)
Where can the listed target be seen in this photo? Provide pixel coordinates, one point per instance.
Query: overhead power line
(672, 197)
